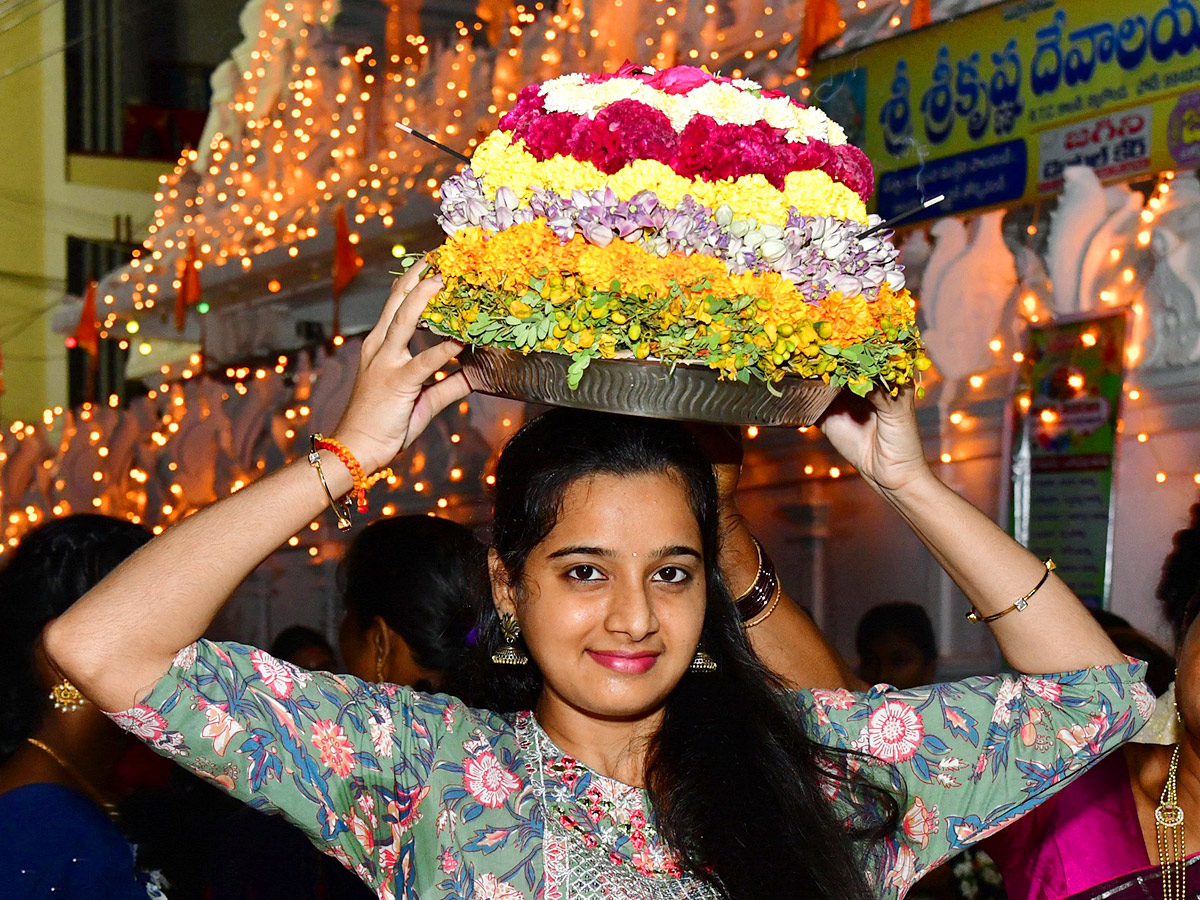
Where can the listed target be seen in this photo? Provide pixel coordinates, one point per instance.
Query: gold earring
(702, 662)
(66, 697)
(379, 669)
(508, 654)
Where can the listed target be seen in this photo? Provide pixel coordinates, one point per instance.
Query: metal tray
(645, 388)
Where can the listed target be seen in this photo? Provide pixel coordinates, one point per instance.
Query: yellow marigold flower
(499, 162)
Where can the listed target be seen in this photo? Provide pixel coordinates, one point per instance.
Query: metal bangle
(342, 512)
(975, 616)
(758, 597)
(766, 613)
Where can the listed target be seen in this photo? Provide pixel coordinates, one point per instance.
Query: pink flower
(645, 131)
(1044, 688)
(548, 134)
(448, 717)
(335, 748)
(920, 822)
(599, 143)
(680, 79)
(275, 674)
(489, 887)
(488, 781)
(449, 864)
(836, 699)
(894, 732)
(529, 105)
(142, 722)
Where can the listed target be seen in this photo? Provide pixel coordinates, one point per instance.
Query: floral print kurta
(426, 798)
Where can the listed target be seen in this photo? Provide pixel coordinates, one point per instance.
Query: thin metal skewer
(900, 217)
(427, 139)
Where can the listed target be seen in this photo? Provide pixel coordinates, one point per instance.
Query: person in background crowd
(896, 646)
(304, 647)
(1104, 835)
(410, 586)
(59, 754)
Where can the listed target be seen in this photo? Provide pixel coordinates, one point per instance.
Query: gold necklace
(89, 788)
(1168, 819)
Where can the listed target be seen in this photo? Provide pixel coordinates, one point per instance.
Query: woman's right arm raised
(119, 639)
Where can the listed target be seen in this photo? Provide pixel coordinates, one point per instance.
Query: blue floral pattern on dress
(426, 798)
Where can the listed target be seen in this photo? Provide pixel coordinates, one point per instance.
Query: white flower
(275, 674)
(1010, 690)
(489, 887)
(185, 658)
(382, 729)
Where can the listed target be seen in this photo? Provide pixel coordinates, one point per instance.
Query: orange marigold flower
(850, 318)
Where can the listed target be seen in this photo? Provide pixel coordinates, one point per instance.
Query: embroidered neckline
(607, 815)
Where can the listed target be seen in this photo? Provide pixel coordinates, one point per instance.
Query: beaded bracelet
(760, 594)
(362, 482)
(975, 616)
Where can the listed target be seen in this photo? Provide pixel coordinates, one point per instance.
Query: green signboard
(1066, 439)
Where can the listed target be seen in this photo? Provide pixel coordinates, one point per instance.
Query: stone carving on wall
(970, 277)
(1172, 295)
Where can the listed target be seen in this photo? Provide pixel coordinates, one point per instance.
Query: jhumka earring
(702, 662)
(66, 697)
(508, 654)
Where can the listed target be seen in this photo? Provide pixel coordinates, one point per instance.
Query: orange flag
(822, 23)
(921, 14)
(189, 285)
(346, 263)
(87, 332)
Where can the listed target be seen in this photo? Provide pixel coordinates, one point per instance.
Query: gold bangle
(342, 512)
(975, 616)
(766, 613)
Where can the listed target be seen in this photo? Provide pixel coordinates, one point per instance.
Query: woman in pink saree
(1109, 834)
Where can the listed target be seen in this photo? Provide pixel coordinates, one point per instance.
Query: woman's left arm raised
(1054, 633)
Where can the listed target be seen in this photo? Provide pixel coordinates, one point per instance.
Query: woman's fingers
(404, 321)
(433, 400)
(421, 367)
(400, 289)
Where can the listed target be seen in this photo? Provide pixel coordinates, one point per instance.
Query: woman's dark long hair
(735, 780)
(1179, 586)
(422, 575)
(52, 567)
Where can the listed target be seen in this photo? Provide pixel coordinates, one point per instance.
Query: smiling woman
(623, 741)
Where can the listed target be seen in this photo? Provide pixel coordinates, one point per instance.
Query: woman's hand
(879, 437)
(391, 404)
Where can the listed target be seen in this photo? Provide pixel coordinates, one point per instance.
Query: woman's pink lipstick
(628, 663)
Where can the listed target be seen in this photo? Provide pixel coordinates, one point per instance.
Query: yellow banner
(992, 107)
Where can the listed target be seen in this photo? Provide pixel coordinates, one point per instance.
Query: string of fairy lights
(325, 136)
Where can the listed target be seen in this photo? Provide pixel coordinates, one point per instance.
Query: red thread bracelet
(361, 480)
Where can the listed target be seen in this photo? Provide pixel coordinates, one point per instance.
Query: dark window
(87, 380)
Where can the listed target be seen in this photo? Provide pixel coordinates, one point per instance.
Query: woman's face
(612, 601)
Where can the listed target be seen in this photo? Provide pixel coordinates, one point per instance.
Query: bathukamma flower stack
(678, 217)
